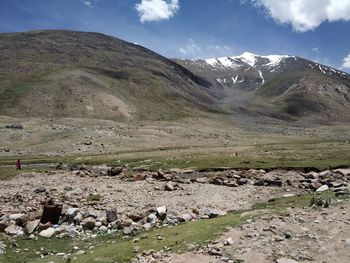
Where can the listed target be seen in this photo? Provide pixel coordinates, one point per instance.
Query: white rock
(161, 210)
(347, 242)
(15, 217)
(47, 232)
(72, 212)
(322, 188)
(103, 229)
(344, 172)
(14, 230)
(288, 195)
(286, 260)
(228, 242)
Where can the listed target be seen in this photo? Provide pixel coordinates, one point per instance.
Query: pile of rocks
(337, 180)
(88, 213)
(76, 223)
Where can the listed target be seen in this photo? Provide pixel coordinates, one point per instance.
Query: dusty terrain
(302, 235)
(128, 201)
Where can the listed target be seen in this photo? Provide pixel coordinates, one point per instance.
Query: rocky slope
(76, 74)
(285, 87)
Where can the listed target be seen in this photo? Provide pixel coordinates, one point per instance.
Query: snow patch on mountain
(262, 77)
(246, 58)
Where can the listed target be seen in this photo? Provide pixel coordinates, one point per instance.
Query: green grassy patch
(9, 172)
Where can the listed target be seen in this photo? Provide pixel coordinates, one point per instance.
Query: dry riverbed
(125, 202)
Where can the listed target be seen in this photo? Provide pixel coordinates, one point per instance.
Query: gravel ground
(18, 194)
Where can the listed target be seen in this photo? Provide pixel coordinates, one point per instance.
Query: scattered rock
(14, 230)
(114, 171)
(169, 186)
(40, 189)
(89, 223)
(47, 232)
(111, 215)
(286, 260)
(212, 213)
(228, 242)
(322, 188)
(31, 226)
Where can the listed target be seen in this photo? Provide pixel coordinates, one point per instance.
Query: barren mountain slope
(76, 74)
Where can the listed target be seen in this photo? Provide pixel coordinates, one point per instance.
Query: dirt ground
(303, 235)
(74, 190)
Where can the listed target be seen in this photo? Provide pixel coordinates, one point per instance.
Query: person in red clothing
(18, 165)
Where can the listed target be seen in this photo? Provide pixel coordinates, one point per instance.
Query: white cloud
(89, 3)
(305, 15)
(346, 62)
(156, 10)
(316, 49)
(191, 48)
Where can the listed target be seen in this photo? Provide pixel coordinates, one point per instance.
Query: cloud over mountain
(346, 62)
(306, 15)
(156, 10)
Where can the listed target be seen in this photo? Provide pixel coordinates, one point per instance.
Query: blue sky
(315, 29)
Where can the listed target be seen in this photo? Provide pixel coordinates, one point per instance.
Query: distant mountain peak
(247, 58)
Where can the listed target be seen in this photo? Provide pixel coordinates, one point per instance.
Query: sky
(314, 29)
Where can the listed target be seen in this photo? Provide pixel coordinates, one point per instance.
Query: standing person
(18, 165)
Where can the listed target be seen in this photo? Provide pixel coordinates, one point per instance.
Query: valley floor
(191, 142)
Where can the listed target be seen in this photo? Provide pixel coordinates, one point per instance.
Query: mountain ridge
(60, 73)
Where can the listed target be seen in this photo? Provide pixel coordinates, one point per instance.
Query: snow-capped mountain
(247, 58)
(289, 84)
(249, 71)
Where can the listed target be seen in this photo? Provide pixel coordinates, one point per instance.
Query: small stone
(288, 195)
(186, 217)
(347, 242)
(127, 231)
(147, 226)
(47, 232)
(88, 223)
(228, 242)
(40, 189)
(169, 186)
(103, 229)
(286, 260)
(161, 210)
(322, 188)
(14, 230)
(212, 213)
(111, 215)
(72, 212)
(31, 226)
